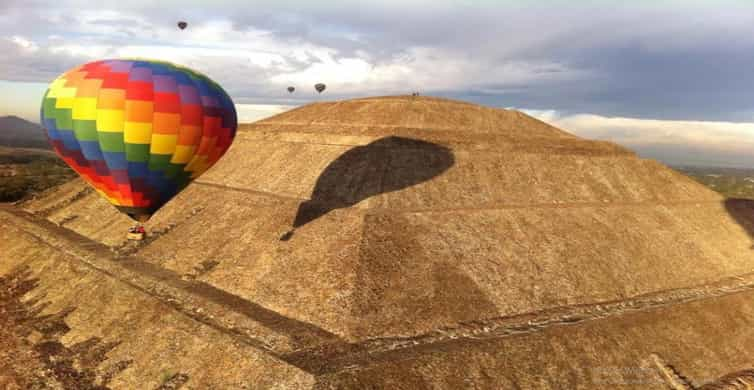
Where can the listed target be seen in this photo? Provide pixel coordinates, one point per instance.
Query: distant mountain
(20, 133)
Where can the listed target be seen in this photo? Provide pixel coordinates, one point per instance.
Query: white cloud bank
(671, 141)
(248, 113)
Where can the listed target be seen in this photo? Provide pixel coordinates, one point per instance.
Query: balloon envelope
(138, 131)
(182, 25)
(291, 89)
(319, 87)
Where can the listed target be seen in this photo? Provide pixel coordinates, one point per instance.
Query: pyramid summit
(403, 242)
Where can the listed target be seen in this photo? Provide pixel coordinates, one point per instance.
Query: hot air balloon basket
(135, 236)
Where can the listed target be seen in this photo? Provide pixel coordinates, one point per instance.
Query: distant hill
(20, 133)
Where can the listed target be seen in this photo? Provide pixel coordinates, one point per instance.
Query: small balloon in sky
(138, 131)
(319, 87)
(291, 89)
(182, 25)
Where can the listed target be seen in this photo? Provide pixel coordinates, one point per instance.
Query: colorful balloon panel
(138, 131)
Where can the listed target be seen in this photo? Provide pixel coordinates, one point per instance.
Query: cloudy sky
(673, 80)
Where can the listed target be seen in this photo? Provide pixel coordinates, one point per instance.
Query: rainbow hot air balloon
(138, 131)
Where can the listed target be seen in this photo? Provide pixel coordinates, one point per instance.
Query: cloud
(685, 64)
(248, 113)
(24, 44)
(665, 59)
(258, 64)
(674, 142)
(25, 60)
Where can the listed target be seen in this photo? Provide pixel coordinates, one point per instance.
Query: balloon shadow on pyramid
(385, 165)
(742, 211)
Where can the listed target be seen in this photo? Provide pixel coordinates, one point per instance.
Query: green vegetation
(24, 172)
(731, 182)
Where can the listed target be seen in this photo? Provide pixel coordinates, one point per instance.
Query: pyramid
(411, 242)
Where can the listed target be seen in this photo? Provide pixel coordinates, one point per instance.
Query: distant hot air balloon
(138, 131)
(182, 25)
(320, 87)
(291, 89)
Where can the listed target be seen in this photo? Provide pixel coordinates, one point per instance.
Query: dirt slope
(336, 226)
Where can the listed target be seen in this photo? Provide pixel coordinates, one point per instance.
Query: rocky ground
(32, 355)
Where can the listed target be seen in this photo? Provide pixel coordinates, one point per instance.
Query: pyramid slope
(107, 328)
(431, 119)
(399, 217)
(700, 341)
(700, 333)
(417, 113)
